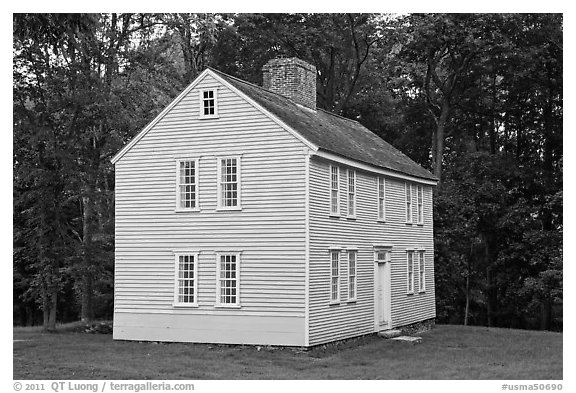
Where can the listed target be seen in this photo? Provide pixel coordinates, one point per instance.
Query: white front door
(382, 292)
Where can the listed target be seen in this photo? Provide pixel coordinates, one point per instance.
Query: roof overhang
(371, 168)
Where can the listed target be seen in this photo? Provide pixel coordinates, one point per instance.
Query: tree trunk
(546, 315)
(87, 312)
(467, 309)
(438, 153)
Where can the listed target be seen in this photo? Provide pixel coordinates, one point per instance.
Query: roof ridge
(251, 84)
(280, 95)
(341, 117)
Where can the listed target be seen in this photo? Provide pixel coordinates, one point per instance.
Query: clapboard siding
(269, 230)
(333, 322)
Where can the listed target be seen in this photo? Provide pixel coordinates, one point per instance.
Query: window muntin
(352, 275)
(186, 288)
(208, 103)
(408, 192)
(410, 272)
(420, 206)
(351, 193)
(229, 183)
(334, 190)
(381, 199)
(187, 184)
(334, 276)
(227, 279)
(421, 271)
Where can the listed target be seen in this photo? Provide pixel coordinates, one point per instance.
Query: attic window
(209, 103)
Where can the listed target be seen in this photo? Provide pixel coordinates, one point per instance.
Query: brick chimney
(292, 78)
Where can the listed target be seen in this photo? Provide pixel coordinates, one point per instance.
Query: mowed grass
(446, 352)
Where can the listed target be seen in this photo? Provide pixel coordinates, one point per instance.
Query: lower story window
(352, 275)
(421, 271)
(335, 276)
(410, 271)
(227, 288)
(186, 279)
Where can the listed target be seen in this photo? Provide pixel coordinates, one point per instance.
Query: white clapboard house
(246, 215)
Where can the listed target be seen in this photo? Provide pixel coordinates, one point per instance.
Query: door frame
(387, 298)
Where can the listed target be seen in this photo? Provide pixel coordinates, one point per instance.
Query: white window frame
(410, 277)
(381, 198)
(352, 279)
(220, 205)
(335, 300)
(408, 203)
(177, 255)
(219, 255)
(420, 204)
(351, 193)
(179, 208)
(332, 190)
(215, 98)
(421, 271)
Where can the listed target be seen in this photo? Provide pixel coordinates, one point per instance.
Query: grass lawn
(446, 352)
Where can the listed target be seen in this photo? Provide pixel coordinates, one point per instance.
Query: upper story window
(381, 199)
(351, 193)
(334, 190)
(208, 103)
(421, 271)
(186, 289)
(420, 204)
(410, 272)
(334, 276)
(187, 184)
(227, 279)
(408, 193)
(229, 185)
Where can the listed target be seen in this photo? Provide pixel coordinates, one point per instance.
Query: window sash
(187, 184)
(408, 192)
(334, 190)
(381, 198)
(351, 193)
(229, 173)
(186, 279)
(422, 271)
(420, 207)
(227, 279)
(410, 272)
(352, 275)
(334, 276)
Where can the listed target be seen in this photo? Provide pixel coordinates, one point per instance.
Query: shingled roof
(330, 132)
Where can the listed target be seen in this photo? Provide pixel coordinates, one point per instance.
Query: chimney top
(292, 78)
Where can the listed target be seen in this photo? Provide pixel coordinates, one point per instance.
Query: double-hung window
(229, 185)
(351, 193)
(421, 271)
(186, 288)
(408, 193)
(208, 103)
(420, 206)
(352, 281)
(334, 190)
(227, 279)
(187, 184)
(334, 276)
(381, 199)
(410, 272)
